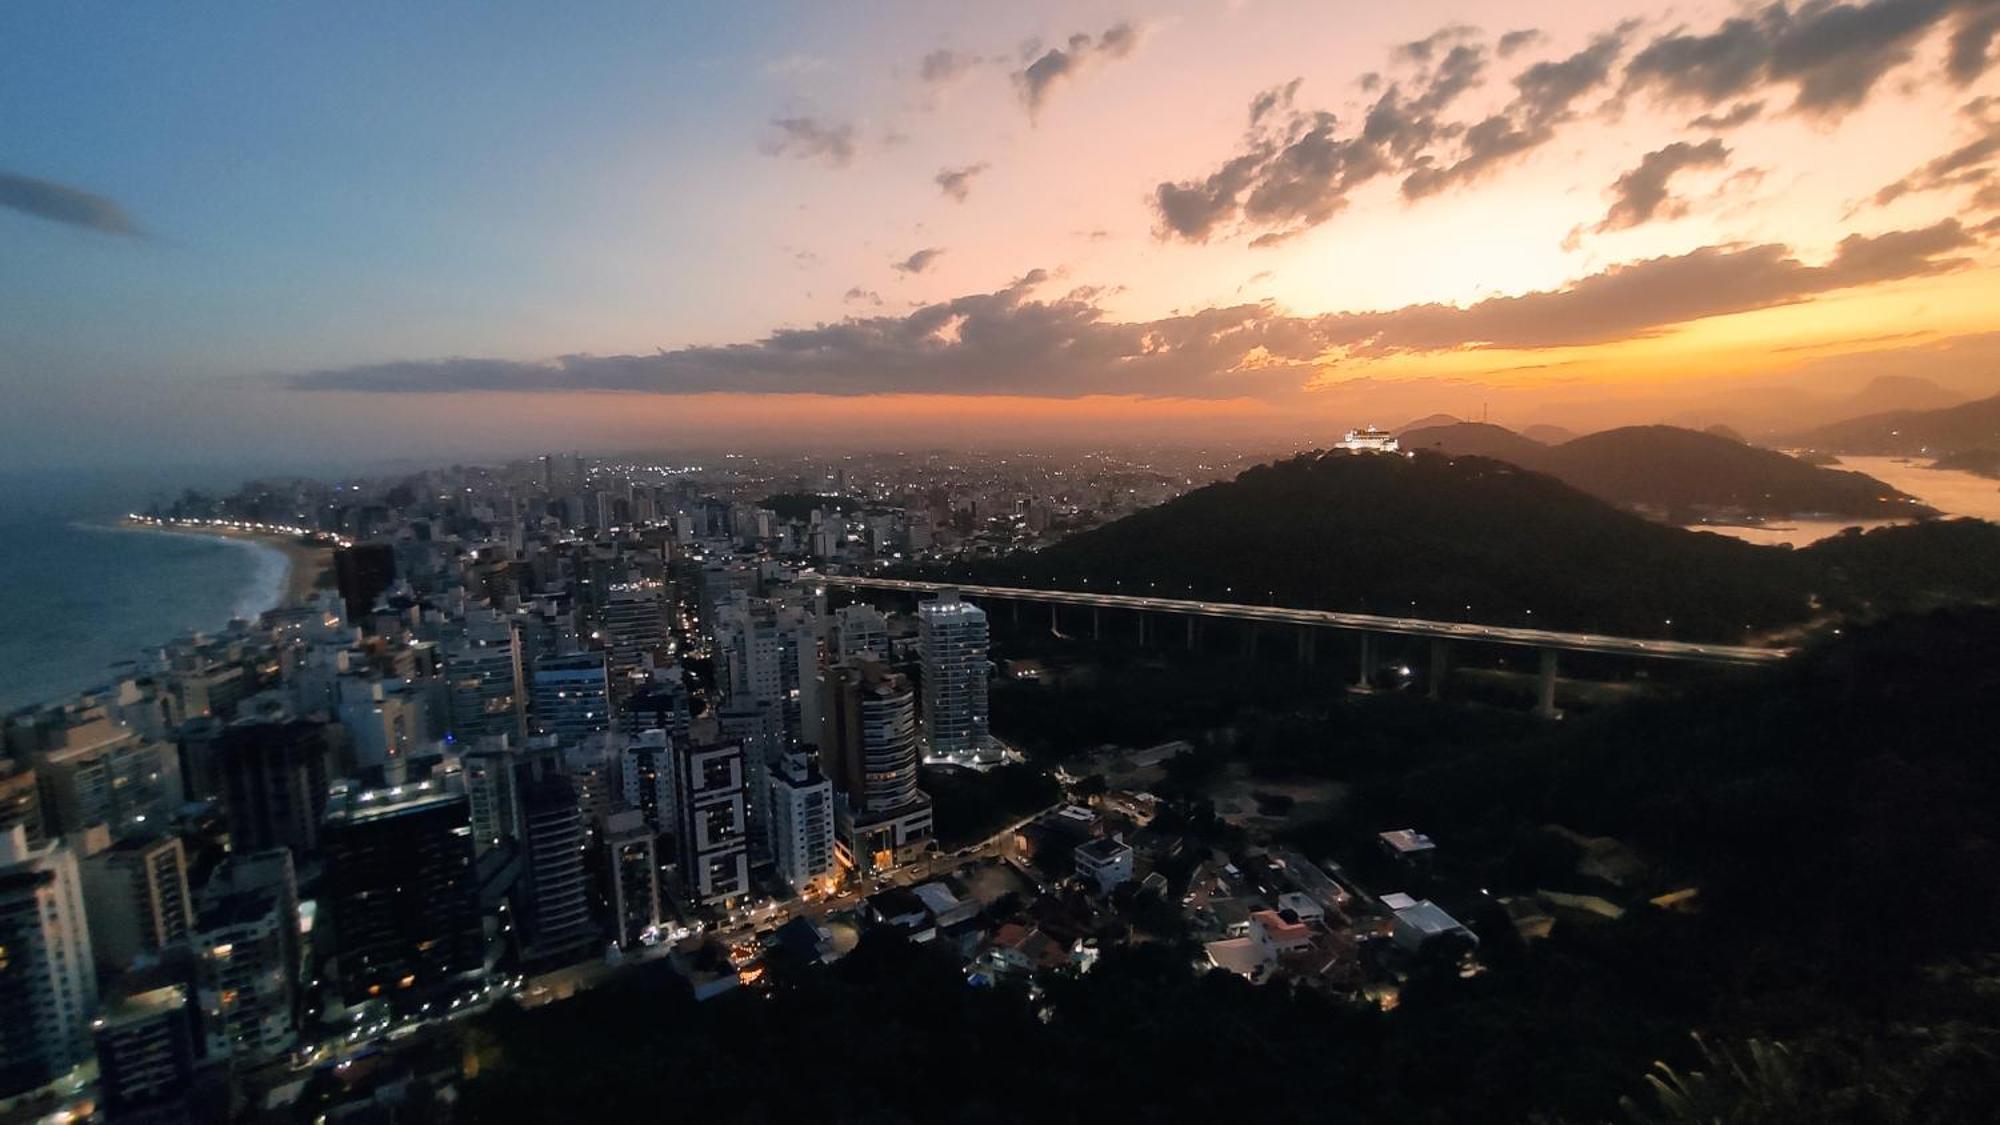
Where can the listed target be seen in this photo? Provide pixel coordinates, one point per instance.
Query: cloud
(919, 261)
(1641, 195)
(957, 182)
(864, 296)
(1009, 342)
(1421, 50)
(1742, 113)
(944, 65)
(1969, 165)
(1831, 54)
(1645, 298)
(1056, 64)
(60, 203)
(810, 138)
(1297, 168)
(1514, 41)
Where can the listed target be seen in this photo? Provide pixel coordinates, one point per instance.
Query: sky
(314, 232)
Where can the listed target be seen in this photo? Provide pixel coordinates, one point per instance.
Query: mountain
(1896, 392)
(1979, 462)
(1477, 439)
(1461, 538)
(1547, 434)
(1679, 473)
(1474, 539)
(1685, 474)
(1938, 433)
(1428, 421)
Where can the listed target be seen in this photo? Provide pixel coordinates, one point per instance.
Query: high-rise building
(400, 892)
(135, 893)
(768, 651)
(802, 822)
(952, 634)
(492, 795)
(361, 573)
(648, 778)
(760, 726)
(385, 720)
(571, 695)
(146, 1054)
(631, 847)
(48, 989)
(20, 800)
(662, 704)
(274, 782)
(554, 892)
(107, 773)
(246, 977)
(710, 825)
(634, 626)
(869, 749)
(483, 681)
(858, 629)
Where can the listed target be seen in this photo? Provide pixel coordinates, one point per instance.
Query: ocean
(80, 596)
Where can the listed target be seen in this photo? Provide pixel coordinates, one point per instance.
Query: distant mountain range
(1952, 430)
(1766, 411)
(1678, 474)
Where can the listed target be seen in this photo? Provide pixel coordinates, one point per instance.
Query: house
(1422, 922)
(1242, 956)
(1407, 846)
(945, 908)
(1018, 949)
(1276, 932)
(1303, 907)
(1105, 863)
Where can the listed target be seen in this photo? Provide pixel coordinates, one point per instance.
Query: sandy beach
(308, 566)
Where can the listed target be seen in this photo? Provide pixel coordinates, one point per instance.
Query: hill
(1679, 474)
(1428, 421)
(1684, 474)
(1478, 439)
(1474, 539)
(1979, 462)
(1547, 434)
(1467, 538)
(1954, 429)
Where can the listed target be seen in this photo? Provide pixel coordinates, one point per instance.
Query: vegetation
(1971, 425)
(969, 806)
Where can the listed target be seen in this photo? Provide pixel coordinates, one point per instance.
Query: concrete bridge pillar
(1142, 628)
(1249, 639)
(1440, 667)
(1097, 623)
(1308, 651)
(1193, 634)
(1055, 619)
(1545, 686)
(1364, 676)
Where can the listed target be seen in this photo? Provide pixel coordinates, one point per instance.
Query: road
(1354, 622)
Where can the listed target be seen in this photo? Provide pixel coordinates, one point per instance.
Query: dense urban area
(547, 770)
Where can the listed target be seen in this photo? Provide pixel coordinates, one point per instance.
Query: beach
(306, 566)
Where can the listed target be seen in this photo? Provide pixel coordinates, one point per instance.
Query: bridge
(1546, 642)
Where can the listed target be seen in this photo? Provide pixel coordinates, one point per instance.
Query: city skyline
(278, 236)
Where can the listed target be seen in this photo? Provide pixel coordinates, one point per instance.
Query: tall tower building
(554, 892)
(760, 726)
(484, 685)
(802, 821)
(274, 780)
(953, 635)
(634, 625)
(648, 778)
(869, 749)
(630, 845)
(146, 1054)
(492, 797)
(20, 800)
(571, 695)
(107, 773)
(859, 629)
(48, 991)
(135, 893)
(710, 825)
(400, 891)
(246, 965)
(769, 652)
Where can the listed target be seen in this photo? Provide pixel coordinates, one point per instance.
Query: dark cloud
(1831, 54)
(1972, 43)
(1422, 50)
(945, 64)
(1742, 113)
(61, 203)
(957, 182)
(863, 296)
(810, 138)
(1009, 342)
(1642, 194)
(1275, 98)
(1646, 298)
(1058, 63)
(1971, 164)
(1514, 41)
(919, 261)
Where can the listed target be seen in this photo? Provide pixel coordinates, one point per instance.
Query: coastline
(304, 565)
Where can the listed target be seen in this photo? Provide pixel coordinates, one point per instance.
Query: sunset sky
(290, 232)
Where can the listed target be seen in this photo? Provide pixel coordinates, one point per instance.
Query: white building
(1369, 440)
(953, 635)
(632, 850)
(1105, 862)
(858, 629)
(802, 823)
(48, 989)
(709, 820)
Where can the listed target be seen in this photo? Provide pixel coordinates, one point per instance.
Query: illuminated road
(1551, 639)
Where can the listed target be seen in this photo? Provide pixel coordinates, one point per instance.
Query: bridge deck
(1356, 622)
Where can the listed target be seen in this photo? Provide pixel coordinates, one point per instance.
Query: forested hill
(1474, 539)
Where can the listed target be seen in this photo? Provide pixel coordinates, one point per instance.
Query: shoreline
(306, 563)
